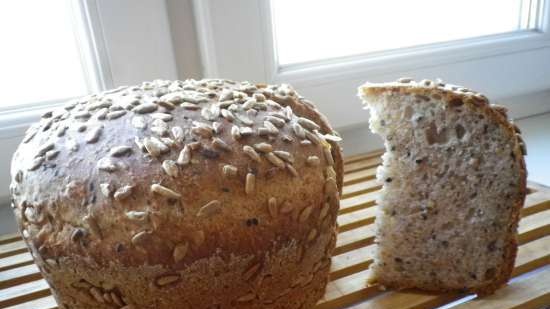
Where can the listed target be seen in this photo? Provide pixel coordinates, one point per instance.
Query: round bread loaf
(181, 194)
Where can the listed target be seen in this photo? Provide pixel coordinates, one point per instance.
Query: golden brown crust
(168, 174)
(452, 94)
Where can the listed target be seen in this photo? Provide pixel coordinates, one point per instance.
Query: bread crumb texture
(181, 194)
(454, 181)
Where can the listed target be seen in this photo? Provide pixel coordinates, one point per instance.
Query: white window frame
(236, 41)
(104, 30)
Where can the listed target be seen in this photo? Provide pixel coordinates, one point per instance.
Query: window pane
(39, 57)
(308, 30)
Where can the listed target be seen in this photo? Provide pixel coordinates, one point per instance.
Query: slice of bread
(454, 183)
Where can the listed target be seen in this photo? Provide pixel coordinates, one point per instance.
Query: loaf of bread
(181, 194)
(454, 182)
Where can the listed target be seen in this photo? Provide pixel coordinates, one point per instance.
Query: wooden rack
(21, 285)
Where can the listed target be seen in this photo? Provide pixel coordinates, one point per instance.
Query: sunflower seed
(178, 134)
(156, 188)
(271, 157)
(141, 238)
(166, 280)
(72, 145)
(246, 298)
(47, 125)
(272, 207)
(330, 186)
(312, 235)
(287, 138)
(246, 131)
(119, 151)
(180, 251)
(137, 215)
(138, 122)
(61, 130)
(106, 189)
(145, 108)
(328, 156)
(82, 115)
(313, 138)
(220, 144)
(305, 214)
(210, 113)
(18, 176)
(259, 97)
(235, 132)
(234, 108)
(299, 131)
(211, 208)
(139, 144)
(94, 134)
(170, 168)
(278, 122)
(324, 211)
(96, 294)
(250, 184)
(285, 155)
(123, 192)
(82, 128)
(405, 80)
(332, 138)
(227, 114)
(162, 116)
(92, 226)
(101, 114)
(313, 160)
(229, 170)
(305, 142)
(244, 119)
(195, 146)
(263, 147)
(249, 104)
(45, 148)
(292, 170)
(202, 130)
(263, 131)
(250, 152)
(272, 129)
(154, 146)
(252, 271)
(107, 165)
(287, 207)
(184, 157)
(168, 105)
(115, 114)
(189, 106)
(226, 95)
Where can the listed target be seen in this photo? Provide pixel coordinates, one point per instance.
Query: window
(310, 30)
(40, 59)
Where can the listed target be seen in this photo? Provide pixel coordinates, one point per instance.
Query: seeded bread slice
(454, 183)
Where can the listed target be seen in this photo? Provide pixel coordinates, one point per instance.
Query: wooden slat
(362, 165)
(4, 239)
(359, 176)
(23, 292)
(358, 202)
(47, 302)
(531, 293)
(19, 275)
(12, 248)
(360, 188)
(15, 261)
(363, 156)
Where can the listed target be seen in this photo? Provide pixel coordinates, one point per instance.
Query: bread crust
(147, 191)
(452, 94)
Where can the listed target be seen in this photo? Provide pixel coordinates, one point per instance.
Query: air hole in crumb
(459, 129)
(435, 136)
(408, 112)
(447, 226)
(490, 273)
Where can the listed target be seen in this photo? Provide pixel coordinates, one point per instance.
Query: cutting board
(21, 285)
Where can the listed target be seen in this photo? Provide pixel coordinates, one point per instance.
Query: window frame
(236, 41)
(101, 53)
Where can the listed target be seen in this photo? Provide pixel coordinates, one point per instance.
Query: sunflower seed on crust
(304, 215)
(229, 170)
(271, 128)
(246, 298)
(285, 155)
(115, 114)
(92, 226)
(246, 131)
(94, 134)
(272, 207)
(291, 170)
(235, 132)
(154, 146)
(107, 165)
(271, 157)
(177, 134)
(123, 192)
(278, 122)
(162, 116)
(328, 156)
(156, 188)
(250, 184)
(218, 127)
(263, 147)
(170, 168)
(137, 215)
(180, 251)
(308, 124)
(324, 211)
(166, 280)
(312, 235)
(106, 189)
(251, 153)
(145, 108)
(313, 161)
(138, 122)
(330, 186)
(211, 208)
(287, 207)
(203, 130)
(332, 138)
(299, 131)
(198, 237)
(220, 144)
(227, 114)
(96, 294)
(119, 151)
